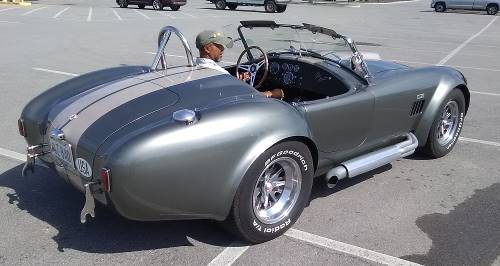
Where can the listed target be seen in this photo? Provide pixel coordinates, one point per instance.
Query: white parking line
(10, 22)
(116, 14)
(55, 71)
(89, 17)
(187, 14)
(60, 12)
(140, 13)
(5, 9)
(491, 143)
(346, 248)
(165, 13)
(485, 93)
(230, 254)
(12, 154)
(461, 46)
(34, 10)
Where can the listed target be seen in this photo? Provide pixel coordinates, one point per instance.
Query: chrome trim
(57, 134)
(89, 206)
(32, 152)
(359, 58)
(163, 38)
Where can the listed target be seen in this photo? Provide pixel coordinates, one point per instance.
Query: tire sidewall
(249, 225)
(123, 3)
(491, 10)
(440, 7)
(157, 5)
(220, 4)
(437, 149)
(270, 6)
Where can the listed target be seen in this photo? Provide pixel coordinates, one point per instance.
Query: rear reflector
(105, 180)
(22, 129)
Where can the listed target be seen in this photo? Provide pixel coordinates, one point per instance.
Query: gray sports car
(185, 142)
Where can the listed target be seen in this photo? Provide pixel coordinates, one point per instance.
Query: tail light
(22, 129)
(105, 180)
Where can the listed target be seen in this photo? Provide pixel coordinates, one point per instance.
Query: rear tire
(273, 193)
(270, 6)
(175, 8)
(447, 125)
(123, 3)
(492, 9)
(281, 8)
(157, 5)
(232, 6)
(141, 6)
(220, 4)
(440, 7)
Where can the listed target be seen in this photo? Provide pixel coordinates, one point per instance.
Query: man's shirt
(209, 63)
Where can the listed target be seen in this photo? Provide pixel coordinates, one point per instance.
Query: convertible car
(166, 142)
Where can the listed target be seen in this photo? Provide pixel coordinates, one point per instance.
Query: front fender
(449, 80)
(174, 171)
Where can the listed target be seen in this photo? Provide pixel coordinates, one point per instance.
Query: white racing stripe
(485, 93)
(461, 46)
(89, 17)
(346, 248)
(491, 143)
(230, 254)
(55, 71)
(60, 12)
(34, 10)
(140, 13)
(116, 14)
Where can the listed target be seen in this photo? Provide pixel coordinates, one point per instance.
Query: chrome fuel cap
(185, 116)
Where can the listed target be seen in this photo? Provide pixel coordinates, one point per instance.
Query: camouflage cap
(211, 36)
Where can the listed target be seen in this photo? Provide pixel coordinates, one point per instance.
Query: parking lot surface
(413, 211)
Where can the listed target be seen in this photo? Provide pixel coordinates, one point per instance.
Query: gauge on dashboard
(288, 78)
(284, 66)
(274, 68)
(296, 68)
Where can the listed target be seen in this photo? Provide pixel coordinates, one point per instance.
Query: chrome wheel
(448, 124)
(156, 5)
(277, 190)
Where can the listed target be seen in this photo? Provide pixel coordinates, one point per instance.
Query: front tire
(232, 6)
(270, 6)
(123, 3)
(273, 193)
(492, 9)
(447, 125)
(440, 7)
(281, 8)
(157, 5)
(141, 6)
(175, 8)
(220, 4)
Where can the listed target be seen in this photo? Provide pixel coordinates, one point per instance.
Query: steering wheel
(254, 66)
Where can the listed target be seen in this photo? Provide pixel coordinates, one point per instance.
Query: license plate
(62, 151)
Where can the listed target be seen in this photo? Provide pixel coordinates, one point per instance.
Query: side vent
(417, 107)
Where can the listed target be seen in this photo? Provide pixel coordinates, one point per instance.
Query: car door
(460, 4)
(340, 123)
(479, 4)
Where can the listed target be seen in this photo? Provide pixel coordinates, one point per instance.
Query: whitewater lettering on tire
(272, 229)
(460, 122)
(288, 152)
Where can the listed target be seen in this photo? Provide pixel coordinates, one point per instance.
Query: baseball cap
(211, 36)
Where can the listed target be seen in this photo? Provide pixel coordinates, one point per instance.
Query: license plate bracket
(62, 151)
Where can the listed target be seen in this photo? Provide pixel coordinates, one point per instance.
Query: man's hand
(275, 93)
(244, 76)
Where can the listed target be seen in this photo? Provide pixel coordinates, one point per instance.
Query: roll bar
(163, 38)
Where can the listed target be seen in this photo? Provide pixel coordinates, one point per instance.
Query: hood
(380, 69)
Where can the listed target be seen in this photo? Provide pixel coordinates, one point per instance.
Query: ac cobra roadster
(165, 142)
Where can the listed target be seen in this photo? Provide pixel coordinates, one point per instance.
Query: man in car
(211, 45)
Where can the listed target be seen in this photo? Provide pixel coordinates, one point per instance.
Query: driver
(211, 45)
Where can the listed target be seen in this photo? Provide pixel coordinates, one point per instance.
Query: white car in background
(491, 6)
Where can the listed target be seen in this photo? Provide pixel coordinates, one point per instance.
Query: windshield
(297, 38)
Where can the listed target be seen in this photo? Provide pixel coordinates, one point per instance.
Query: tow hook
(31, 153)
(89, 206)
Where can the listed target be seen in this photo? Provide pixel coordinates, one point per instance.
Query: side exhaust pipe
(372, 160)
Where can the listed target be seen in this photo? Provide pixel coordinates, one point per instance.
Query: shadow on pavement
(464, 12)
(467, 235)
(49, 198)
(236, 10)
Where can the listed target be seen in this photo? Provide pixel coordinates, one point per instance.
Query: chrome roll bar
(163, 38)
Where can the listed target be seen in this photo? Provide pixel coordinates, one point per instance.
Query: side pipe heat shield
(372, 160)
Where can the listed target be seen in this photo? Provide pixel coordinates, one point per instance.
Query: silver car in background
(491, 6)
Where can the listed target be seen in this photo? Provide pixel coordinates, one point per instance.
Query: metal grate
(417, 107)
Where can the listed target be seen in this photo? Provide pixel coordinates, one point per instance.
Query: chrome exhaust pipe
(372, 160)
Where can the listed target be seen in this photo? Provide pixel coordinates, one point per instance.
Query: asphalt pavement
(415, 210)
